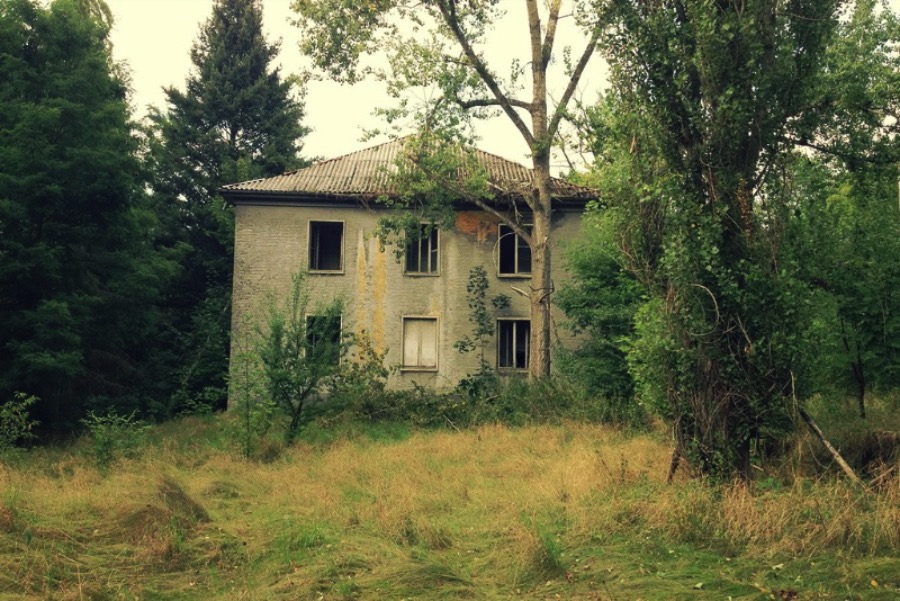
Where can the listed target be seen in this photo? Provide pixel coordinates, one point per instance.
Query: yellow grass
(488, 513)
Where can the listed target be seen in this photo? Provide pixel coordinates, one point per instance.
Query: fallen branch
(834, 452)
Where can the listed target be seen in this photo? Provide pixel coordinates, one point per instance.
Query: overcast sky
(155, 36)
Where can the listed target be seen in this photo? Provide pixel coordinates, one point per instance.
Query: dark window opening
(326, 244)
(323, 338)
(422, 251)
(514, 338)
(515, 254)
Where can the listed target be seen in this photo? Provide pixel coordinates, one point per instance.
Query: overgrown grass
(384, 511)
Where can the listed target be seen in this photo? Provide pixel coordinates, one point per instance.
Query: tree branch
(448, 12)
(547, 48)
(847, 156)
(483, 102)
(573, 83)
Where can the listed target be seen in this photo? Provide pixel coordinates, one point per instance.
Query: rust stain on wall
(476, 223)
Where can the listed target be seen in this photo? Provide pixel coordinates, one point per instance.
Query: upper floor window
(422, 251)
(514, 252)
(326, 246)
(513, 343)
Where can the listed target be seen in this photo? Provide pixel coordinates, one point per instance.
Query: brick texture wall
(272, 244)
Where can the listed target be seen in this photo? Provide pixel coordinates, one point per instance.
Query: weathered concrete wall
(271, 244)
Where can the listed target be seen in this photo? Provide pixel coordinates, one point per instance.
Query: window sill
(404, 369)
(325, 272)
(421, 274)
(515, 276)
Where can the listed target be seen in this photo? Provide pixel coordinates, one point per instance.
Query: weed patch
(575, 510)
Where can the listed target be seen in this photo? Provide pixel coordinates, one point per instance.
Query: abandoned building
(412, 305)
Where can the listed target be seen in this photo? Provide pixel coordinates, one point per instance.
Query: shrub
(114, 436)
(16, 424)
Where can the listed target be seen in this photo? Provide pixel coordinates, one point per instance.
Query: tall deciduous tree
(451, 58)
(77, 280)
(237, 119)
(721, 86)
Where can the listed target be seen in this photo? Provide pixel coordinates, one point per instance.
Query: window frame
(419, 368)
(309, 246)
(518, 244)
(513, 355)
(436, 250)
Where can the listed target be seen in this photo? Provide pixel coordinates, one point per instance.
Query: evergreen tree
(77, 282)
(237, 119)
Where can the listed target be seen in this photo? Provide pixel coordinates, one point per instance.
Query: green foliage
(300, 357)
(511, 401)
(361, 386)
(237, 119)
(484, 381)
(252, 411)
(16, 425)
(601, 301)
(114, 436)
(80, 285)
(704, 97)
(847, 226)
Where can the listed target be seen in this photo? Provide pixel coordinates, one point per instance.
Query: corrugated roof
(367, 174)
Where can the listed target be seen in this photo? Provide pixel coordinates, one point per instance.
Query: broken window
(326, 245)
(515, 254)
(420, 342)
(422, 251)
(513, 340)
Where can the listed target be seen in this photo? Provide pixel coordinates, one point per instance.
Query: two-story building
(320, 219)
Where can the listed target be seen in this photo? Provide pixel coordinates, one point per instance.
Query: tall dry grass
(492, 508)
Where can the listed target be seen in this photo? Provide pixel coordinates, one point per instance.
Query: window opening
(513, 343)
(323, 338)
(326, 243)
(515, 254)
(422, 251)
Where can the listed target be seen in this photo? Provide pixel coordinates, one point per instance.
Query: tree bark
(541, 289)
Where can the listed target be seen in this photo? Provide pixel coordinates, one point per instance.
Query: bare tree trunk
(541, 289)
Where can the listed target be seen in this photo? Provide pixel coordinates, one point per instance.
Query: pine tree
(237, 119)
(77, 283)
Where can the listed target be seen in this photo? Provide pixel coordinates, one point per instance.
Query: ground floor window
(513, 340)
(323, 338)
(420, 342)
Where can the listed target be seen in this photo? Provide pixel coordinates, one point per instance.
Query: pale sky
(155, 36)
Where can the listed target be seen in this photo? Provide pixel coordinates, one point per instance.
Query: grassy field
(568, 511)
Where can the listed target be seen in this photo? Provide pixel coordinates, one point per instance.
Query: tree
(719, 87)
(78, 281)
(238, 119)
(450, 55)
(301, 354)
(850, 223)
(858, 141)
